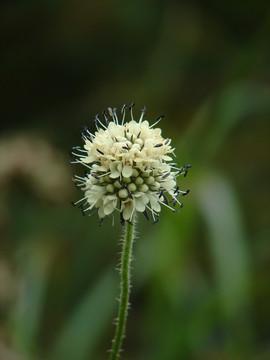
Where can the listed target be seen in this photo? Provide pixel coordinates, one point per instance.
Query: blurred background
(200, 278)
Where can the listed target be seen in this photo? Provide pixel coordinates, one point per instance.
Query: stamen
(93, 212)
(123, 111)
(158, 120)
(100, 151)
(81, 162)
(82, 209)
(104, 174)
(158, 145)
(79, 155)
(122, 220)
(97, 119)
(105, 117)
(146, 215)
(168, 206)
(78, 148)
(131, 110)
(115, 115)
(185, 193)
(142, 115)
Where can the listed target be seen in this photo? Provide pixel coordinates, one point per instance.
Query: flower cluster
(128, 168)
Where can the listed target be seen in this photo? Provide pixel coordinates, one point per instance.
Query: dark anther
(82, 209)
(161, 193)
(139, 134)
(185, 193)
(95, 176)
(146, 215)
(101, 222)
(120, 182)
(100, 152)
(86, 133)
(73, 203)
(186, 169)
(160, 118)
(176, 211)
(122, 220)
(156, 221)
(166, 142)
(130, 193)
(144, 110)
(176, 190)
(173, 201)
(123, 108)
(145, 168)
(125, 147)
(165, 200)
(131, 106)
(158, 145)
(93, 212)
(165, 176)
(130, 223)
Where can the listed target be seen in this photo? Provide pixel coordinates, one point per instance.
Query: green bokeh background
(200, 278)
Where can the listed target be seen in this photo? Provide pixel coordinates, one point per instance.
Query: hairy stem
(124, 293)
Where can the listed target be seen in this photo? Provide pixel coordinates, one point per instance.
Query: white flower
(129, 168)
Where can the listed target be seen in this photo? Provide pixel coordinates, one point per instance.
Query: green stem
(125, 291)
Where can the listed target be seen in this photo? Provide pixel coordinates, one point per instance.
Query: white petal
(139, 205)
(127, 210)
(127, 171)
(108, 208)
(114, 174)
(101, 213)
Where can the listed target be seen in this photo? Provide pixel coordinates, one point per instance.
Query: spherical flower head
(129, 168)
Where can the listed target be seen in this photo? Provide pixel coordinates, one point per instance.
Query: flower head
(129, 168)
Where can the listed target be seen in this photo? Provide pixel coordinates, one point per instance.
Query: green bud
(123, 193)
(143, 188)
(150, 180)
(132, 187)
(117, 185)
(126, 180)
(135, 172)
(139, 181)
(107, 178)
(110, 188)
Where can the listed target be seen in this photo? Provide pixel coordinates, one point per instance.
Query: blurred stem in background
(125, 290)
